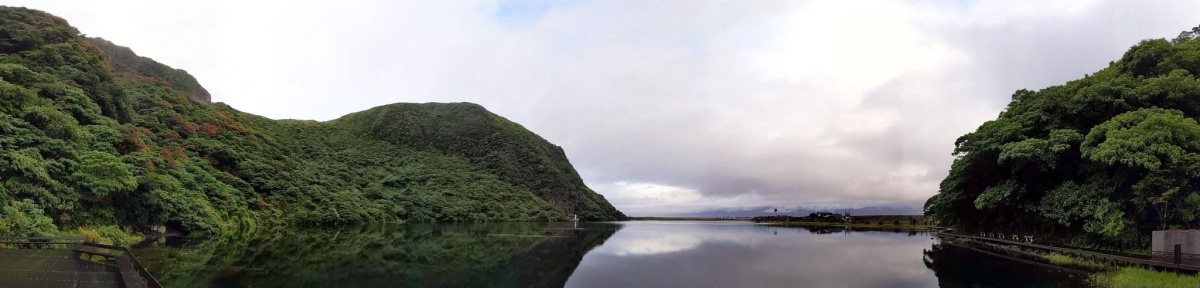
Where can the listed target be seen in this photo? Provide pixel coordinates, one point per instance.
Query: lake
(618, 254)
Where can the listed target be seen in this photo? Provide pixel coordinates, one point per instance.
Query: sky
(662, 106)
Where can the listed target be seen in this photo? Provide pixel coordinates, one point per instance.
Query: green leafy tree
(102, 173)
(25, 219)
(1098, 161)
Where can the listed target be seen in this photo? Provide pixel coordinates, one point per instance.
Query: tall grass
(1139, 278)
(1067, 260)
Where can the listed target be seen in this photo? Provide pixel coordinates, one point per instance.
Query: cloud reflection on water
(676, 236)
(719, 254)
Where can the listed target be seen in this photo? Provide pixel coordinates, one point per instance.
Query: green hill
(1099, 161)
(92, 135)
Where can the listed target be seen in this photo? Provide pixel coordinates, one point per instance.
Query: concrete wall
(1163, 243)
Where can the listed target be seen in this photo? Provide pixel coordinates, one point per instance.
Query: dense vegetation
(92, 135)
(1099, 161)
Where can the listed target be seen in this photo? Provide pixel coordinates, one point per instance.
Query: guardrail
(1084, 253)
(40, 242)
(137, 265)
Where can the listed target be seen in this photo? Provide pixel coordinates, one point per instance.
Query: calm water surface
(621, 254)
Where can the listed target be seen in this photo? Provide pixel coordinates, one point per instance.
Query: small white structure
(1162, 243)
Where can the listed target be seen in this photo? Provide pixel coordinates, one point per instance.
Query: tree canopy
(1098, 161)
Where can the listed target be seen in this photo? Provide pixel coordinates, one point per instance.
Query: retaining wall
(1163, 243)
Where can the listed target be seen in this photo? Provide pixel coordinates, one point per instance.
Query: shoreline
(685, 219)
(846, 225)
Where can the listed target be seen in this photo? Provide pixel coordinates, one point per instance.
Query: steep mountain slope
(491, 143)
(93, 135)
(1098, 161)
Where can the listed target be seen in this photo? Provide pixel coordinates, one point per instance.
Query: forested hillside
(92, 135)
(1099, 161)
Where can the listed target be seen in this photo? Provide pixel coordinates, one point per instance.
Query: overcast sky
(663, 106)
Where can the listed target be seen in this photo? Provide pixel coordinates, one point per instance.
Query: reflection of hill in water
(956, 266)
(436, 255)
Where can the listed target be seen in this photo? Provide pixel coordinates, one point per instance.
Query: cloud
(706, 103)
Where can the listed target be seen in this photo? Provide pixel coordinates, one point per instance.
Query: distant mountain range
(801, 211)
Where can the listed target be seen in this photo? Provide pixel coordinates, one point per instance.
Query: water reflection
(739, 254)
(959, 266)
(644, 238)
(626, 254)
(447, 255)
(639, 246)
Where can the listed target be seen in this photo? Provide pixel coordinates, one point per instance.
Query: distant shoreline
(847, 225)
(871, 217)
(790, 224)
(746, 219)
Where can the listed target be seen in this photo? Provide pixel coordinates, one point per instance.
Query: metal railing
(137, 265)
(1084, 253)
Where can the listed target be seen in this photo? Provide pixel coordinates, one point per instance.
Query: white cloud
(664, 106)
(650, 199)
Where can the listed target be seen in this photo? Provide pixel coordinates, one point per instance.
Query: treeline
(92, 135)
(1100, 161)
(826, 217)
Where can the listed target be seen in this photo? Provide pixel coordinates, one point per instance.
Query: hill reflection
(958, 266)
(434, 255)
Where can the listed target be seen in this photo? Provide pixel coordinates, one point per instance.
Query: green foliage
(24, 219)
(1110, 221)
(92, 135)
(1067, 260)
(998, 195)
(1072, 204)
(1096, 162)
(491, 144)
(109, 235)
(101, 174)
(1142, 278)
(1146, 138)
(124, 61)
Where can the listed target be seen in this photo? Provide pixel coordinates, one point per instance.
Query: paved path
(53, 268)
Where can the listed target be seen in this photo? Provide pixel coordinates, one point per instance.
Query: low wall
(1163, 243)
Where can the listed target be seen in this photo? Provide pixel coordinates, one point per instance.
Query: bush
(23, 218)
(110, 235)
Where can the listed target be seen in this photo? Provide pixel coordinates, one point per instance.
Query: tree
(1159, 143)
(101, 174)
(1187, 35)
(1033, 169)
(1146, 139)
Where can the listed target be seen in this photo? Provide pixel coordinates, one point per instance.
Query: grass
(1139, 251)
(1137, 278)
(1067, 260)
